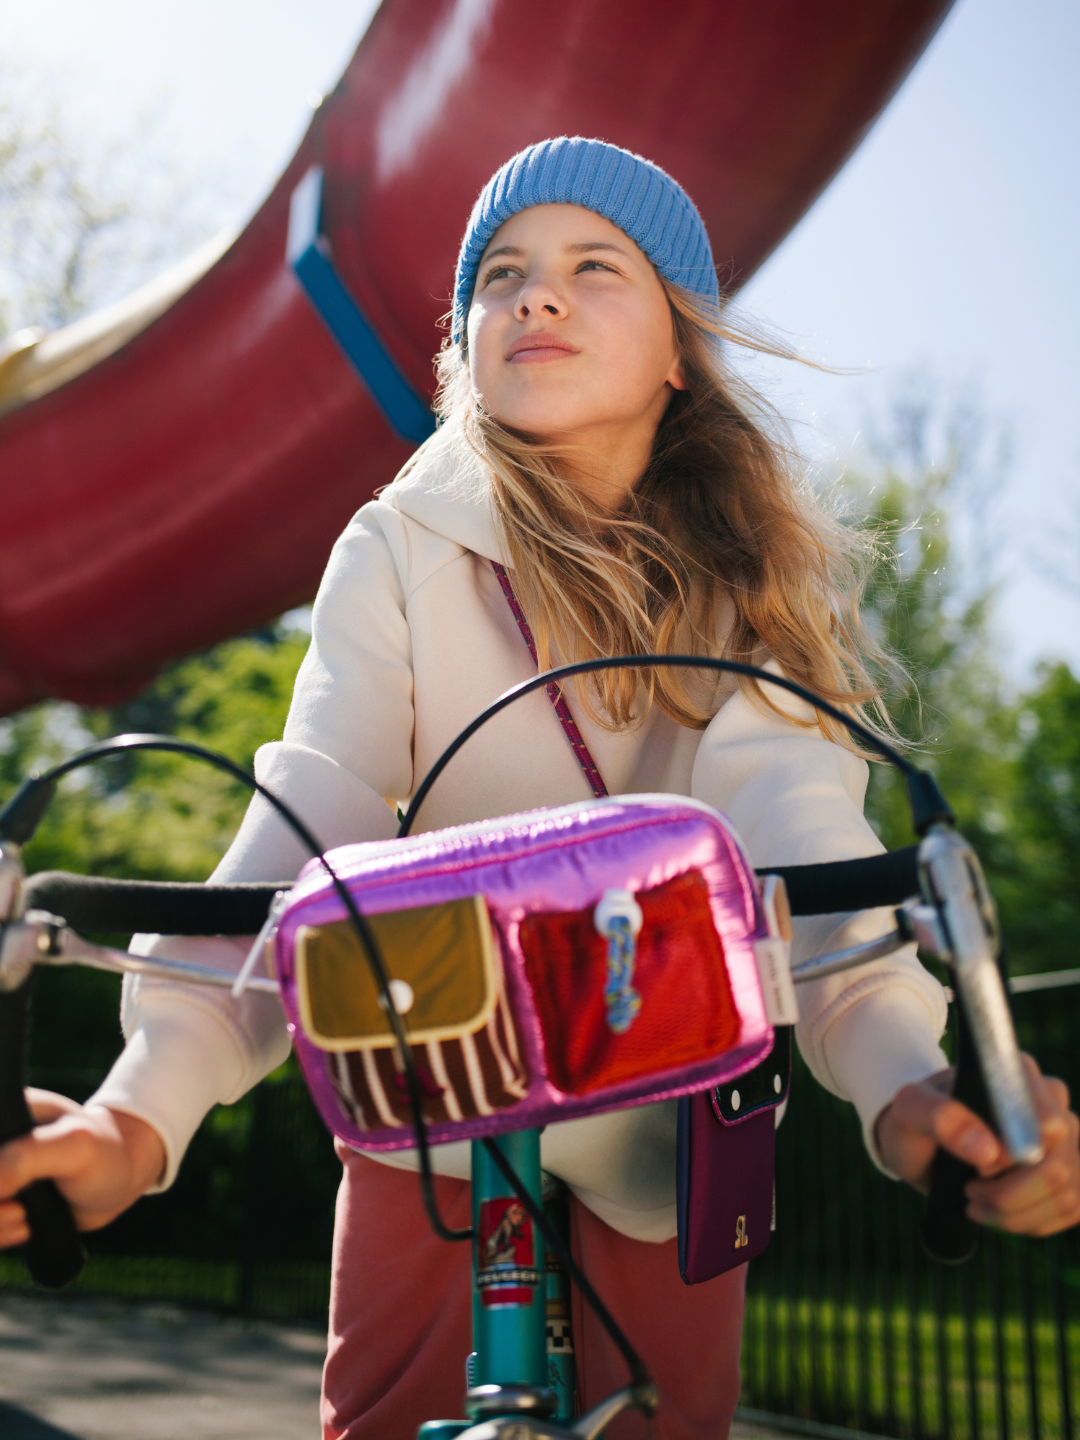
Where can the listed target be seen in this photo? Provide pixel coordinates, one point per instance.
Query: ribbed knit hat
(634, 194)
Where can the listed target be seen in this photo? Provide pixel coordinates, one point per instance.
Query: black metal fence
(847, 1322)
(247, 1226)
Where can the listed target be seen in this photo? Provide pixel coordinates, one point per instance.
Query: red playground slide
(176, 469)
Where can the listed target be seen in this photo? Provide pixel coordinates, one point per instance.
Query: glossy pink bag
(566, 1018)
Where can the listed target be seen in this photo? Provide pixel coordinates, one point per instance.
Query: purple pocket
(725, 1167)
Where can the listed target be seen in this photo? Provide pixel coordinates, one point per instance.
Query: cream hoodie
(411, 638)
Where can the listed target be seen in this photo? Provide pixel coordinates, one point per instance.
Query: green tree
(1041, 898)
(143, 816)
(1009, 765)
(950, 700)
(157, 816)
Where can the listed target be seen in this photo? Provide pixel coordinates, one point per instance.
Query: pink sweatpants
(400, 1318)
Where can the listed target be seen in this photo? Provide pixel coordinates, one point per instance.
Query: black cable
(926, 800)
(929, 802)
(28, 802)
(927, 806)
(644, 1388)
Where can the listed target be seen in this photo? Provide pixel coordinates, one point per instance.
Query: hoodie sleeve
(348, 743)
(796, 798)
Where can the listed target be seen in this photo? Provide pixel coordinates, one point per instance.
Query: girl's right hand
(1037, 1199)
(101, 1160)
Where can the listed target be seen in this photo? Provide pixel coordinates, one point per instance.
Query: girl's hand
(1025, 1199)
(101, 1160)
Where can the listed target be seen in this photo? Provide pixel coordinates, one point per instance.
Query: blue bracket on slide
(308, 253)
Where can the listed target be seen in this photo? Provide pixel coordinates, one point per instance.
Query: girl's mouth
(533, 349)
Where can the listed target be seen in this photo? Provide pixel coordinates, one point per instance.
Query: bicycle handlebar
(55, 1254)
(990, 1076)
(947, 1234)
(849, 885)
(93, 903)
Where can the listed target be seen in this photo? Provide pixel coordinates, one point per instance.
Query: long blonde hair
(720, 549)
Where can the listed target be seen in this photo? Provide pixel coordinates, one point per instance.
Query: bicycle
(515, 1390)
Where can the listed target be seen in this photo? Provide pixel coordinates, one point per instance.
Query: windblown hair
(720, 549)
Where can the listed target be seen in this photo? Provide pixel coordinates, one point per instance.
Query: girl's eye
(595, 265)
(499, 272)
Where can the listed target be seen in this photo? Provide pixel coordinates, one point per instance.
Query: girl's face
(570, 335)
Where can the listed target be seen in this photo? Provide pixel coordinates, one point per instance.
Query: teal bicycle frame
(522, 1361)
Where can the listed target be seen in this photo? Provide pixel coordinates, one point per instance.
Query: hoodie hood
(446, 487)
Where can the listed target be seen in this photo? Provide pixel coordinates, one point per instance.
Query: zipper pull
(618, 919)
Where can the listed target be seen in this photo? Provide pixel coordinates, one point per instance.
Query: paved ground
(98, 1370)
(742, 1431)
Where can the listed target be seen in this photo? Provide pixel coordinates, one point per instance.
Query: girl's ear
(675, 377)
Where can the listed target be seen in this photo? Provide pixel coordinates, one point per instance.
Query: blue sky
(947, 248)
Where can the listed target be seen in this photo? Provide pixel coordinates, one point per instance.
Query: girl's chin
(544, 410)
(541, 422)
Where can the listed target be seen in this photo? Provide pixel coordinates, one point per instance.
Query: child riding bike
(601, 484)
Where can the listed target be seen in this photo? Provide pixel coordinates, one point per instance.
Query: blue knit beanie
(634, 194)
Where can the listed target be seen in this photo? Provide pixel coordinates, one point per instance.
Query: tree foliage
(1009, 764)
(157, 816)
(86, 217)
(143, 816)
(1041, 890)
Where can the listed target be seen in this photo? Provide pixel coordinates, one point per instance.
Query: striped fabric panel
(348, 1099)
(441, 1077)
(460, 1079)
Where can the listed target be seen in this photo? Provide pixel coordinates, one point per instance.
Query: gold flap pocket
(442, 966)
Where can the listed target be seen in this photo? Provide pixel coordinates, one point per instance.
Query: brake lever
(954, 919)
(39, 938)
(957, 921)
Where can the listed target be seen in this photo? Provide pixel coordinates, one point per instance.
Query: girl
(599, 474)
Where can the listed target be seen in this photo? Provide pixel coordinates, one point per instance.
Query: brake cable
(928, 805)
(22, 813)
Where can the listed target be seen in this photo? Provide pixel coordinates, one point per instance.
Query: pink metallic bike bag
(559, 1017)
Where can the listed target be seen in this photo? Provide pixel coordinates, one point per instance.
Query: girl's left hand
(1024, 1199)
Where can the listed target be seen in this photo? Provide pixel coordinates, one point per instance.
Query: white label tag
(773, 957)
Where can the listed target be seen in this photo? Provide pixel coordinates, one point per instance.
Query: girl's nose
(539, 299)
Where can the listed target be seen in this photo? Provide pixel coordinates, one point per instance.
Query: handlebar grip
(947, 1234)
(864, 884)
(54, 1253)
(91, 902)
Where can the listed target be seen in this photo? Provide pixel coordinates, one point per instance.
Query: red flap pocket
(687, 1013)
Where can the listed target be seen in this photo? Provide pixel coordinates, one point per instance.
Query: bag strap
(555, 695)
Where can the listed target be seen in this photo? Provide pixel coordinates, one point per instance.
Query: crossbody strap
(555, 695)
